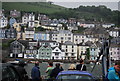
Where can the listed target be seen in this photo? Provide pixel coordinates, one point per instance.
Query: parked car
(74, 75)
(9, 73)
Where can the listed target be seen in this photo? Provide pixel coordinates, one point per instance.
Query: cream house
(62, 36)
(82, 47)
(70, 50)
(29, 33)
(114, 52)
(17, 26)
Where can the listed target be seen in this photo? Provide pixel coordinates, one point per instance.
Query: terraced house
(62, 36)
(41, 36)
(70, 50)
(3, 21)
(44, 52)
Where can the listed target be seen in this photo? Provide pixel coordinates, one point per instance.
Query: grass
(40, 7)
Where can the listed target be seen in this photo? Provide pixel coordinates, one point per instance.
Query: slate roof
(68, 43)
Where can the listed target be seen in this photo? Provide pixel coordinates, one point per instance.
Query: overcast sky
(112, 4)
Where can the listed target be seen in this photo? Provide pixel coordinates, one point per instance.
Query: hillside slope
(41, 7)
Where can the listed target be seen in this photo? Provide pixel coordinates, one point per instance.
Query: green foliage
(40, 7)
(88, 53)
(6, 44)
(80, 30)
(89, 13)
(40, 29)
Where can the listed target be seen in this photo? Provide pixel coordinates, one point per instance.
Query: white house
(30, 52)
(87, 25)
(79, 38)
(114, 52)
(62, 36)
(94, 51)
(25, 19)
(29, 19)
(115, 32)
(3, 21)
(82, 47)
(49, 43)
(29, 33)
(57, 54)
(70, 50)
(108, 25)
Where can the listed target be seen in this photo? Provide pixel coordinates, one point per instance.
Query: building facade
(44, 52)
(41, 36)
(57, 54)
(70, 50)
(3, 21)
(114, 52)
(62, 36)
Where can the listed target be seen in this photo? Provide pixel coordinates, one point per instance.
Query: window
(111, 53)
(66, 50)
(72, 54)
(66, 54)
(57, 54)
(66, 46)
(72, 46)
(69, 38)
(61, 38)
(69, 34)
(72, 50)
(47, 53)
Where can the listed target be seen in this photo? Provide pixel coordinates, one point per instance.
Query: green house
(44, 52)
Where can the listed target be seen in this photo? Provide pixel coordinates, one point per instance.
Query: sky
(112, 4)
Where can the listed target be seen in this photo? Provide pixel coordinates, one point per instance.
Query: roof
(41, 32)
(24, 42)
(29, 29)
(115, 45)
(69, 43)
(47, 41)
(88, 43)
(62, 31)
(74, 72)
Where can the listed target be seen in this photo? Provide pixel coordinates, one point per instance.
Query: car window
(75, 77)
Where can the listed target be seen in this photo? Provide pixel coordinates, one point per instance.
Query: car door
(9, 74)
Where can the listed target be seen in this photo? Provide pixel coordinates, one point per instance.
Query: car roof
(75, 72)
(5, 64)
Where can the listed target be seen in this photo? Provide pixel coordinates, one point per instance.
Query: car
(9, 72)
(74, 75)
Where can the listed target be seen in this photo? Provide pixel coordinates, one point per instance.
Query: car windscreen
(75, 77)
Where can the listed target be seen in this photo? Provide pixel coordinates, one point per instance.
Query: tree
(88, 53)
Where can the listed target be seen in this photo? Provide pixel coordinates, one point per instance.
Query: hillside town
(36, 36)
